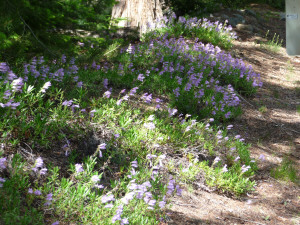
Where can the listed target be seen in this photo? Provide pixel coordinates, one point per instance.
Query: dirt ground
(271, 124)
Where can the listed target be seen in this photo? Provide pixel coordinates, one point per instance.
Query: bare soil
(271, 124)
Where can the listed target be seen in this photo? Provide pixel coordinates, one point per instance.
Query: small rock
(259, 39)
(256, 29)
(241, 11)
(225, 17)
(233, 21)
(282, 16)
(240, 17)
(250, 12)
(244, 27)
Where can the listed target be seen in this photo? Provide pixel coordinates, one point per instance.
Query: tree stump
(137, 15)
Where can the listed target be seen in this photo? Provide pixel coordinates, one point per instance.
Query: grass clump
(286, 171)
(273, 45)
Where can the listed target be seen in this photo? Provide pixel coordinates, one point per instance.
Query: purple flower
(134, 164)
(63, 58)
(147, 98)
(245, 168)
(171, 186)
(147, 184)
(102, 146)
(17, 85)
(45, 87)
(94, 65)
(161, 204)
(7, 94)
(178, 190)
(237, 137)
(152, 202)
(126, 97)
(109, 206)
(172, 112)
(107, 94)
(55, 223)
(4, 68)
(237, 159)
(2, 180)
(124, 221)
(67, 103)
(3, 163)
(30, 191)
(119, 101)
(176, 92)
(95, 178)
(128, 197)
(149, 126)
(262, 157)
(49, 197)
(105, 83)
(224, 169)
(37, 192)
(107, 198)
(116, 218)
(99, 186)
(78, 168)
(92, 113)
(133, 91)
(43, 171)
(38, 164)
(141, 77)
(47, 203)
(79, 84)
(216, 160)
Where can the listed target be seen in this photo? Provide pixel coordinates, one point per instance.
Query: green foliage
(58, 105)
(198, 7)
(278, 4)
(14, 208)
(202, 7)
(36, 26)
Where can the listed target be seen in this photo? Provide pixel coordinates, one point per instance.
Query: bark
(137, 14)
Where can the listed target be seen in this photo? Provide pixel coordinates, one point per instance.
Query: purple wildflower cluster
(3, 164)
(2, 180)
(172, 187)
(192, 25)
(37, 192)
(199, 74)
(137, 191)
(36, 71)
(15, 83)
(38, 166)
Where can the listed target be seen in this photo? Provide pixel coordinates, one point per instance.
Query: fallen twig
(237, 218)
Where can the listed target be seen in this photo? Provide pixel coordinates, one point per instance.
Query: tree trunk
(137, 14)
